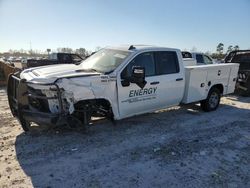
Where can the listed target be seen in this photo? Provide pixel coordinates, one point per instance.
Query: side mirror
(138, 76)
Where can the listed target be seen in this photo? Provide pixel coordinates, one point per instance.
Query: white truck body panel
(158, 97)
(189, 62)
(198, 78)
(167, 93)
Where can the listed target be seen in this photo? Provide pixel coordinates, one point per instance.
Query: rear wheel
(212, 101)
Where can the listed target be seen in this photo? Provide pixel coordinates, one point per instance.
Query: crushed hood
(53, 72)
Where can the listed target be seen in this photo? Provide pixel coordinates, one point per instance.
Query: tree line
(38, 53)
(221, 51)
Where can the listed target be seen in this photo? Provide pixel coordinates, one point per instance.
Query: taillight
(242, 76)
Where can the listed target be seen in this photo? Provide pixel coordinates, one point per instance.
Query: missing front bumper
(18, 97)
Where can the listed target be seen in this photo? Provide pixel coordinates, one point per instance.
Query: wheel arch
(97, 102)
(220, 87)
(206, 104)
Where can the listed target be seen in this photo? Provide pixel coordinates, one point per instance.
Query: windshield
(105, 60)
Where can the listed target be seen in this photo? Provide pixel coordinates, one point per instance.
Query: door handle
(179, 79)
(154, 83)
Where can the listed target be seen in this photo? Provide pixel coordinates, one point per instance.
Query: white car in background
(200, 58)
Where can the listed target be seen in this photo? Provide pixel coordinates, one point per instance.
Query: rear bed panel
(199, 80)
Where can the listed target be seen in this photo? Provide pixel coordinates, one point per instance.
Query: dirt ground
(177, 147)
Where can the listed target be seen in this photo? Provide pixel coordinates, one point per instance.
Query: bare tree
(65, 50)
(81, 51)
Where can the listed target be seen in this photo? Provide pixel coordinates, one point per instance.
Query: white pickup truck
(116, 82)
(196, 58)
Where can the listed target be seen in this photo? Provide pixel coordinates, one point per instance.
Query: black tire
(25, 125)
(212, 101)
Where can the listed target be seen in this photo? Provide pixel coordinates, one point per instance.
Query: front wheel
(25, 124)
(212, 101)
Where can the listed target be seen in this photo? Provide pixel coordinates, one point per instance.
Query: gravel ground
(176, 147)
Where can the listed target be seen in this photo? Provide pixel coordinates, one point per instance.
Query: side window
(207, 60)
(199, 58)
(143, 60)
(166, 62)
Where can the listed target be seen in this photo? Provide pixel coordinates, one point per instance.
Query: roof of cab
(139, 47)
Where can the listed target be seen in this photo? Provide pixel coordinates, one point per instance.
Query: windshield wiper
(94, 70)
(108, 72)
(87, 70)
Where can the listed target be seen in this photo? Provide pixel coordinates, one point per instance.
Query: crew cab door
(164, 84)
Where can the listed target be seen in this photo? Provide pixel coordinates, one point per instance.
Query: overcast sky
(181, 24)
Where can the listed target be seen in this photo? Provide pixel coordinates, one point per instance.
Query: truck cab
(65, 57)
(201, 59)
(164, 71)
(55, 58)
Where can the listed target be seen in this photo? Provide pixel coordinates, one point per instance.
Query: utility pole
(48, 50)
(30, 48)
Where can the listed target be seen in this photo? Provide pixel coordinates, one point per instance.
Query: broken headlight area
(37, 100)
(43, 99)
(68, 101)
(49, 99)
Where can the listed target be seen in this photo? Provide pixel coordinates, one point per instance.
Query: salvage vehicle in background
(201, 59)
(116, 82)
(242, 57)
(55, 58)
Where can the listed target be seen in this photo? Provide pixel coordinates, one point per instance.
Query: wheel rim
(213, 100)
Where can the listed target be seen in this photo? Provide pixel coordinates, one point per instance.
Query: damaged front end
(40, 103)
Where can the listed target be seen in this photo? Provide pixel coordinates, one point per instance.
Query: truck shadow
(51, 158)
(239, 98)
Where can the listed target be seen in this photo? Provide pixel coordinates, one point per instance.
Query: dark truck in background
(56, 58)
(243, 58)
